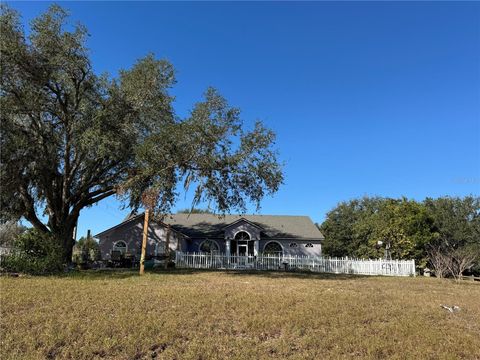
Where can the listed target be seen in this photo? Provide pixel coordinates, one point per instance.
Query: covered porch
(242, 245)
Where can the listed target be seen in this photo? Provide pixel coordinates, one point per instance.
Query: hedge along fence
(308, 263)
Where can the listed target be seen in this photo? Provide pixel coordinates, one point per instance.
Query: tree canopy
(71, 137)
(354, 227)
(195, 211)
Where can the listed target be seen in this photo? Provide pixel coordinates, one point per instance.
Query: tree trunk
(68, 248)
(64, 236)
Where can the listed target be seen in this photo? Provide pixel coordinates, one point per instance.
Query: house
(229, 234)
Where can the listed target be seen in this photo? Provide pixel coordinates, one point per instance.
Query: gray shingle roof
(274, 226)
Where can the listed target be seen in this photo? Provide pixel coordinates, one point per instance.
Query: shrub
(9, 232)
(35, 253)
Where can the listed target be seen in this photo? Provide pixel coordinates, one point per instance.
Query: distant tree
(456, 220)
(341, 237)
(195, 211)
(439, 260)
(461, 259)
(86, 249)
(9, 232)
(456, 224)
(406, 226)
(355, 227)
(71, 138)
(444, 232)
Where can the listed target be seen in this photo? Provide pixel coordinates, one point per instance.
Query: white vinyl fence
(309, 263)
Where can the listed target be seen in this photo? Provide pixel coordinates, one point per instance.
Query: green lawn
(218, 315)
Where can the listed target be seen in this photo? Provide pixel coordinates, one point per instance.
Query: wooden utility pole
(144, 243)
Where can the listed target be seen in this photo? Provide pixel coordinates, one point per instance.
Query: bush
(9, 232)
(35, 253)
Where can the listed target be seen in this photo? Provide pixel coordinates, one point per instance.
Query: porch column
(227, 247)
(256, 246)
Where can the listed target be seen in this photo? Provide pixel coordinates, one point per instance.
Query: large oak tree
(71, 137)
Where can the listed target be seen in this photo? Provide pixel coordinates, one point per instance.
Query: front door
(242, 250)
(242, 254)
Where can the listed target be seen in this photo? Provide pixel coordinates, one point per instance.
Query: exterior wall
(132, 234)
(299, 250)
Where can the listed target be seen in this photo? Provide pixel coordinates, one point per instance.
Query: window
(242, 236)
(309, 245)
(293, 245)
(273, 248)
(120, 246)
(209, 246)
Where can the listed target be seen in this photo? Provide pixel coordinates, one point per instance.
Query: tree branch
(30, 213)
(93, 198)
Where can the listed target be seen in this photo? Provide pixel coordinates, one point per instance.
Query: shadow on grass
(101, 274)
(295, 275)
(118, 274)
(274, 274)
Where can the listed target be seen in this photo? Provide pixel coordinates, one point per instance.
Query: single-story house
(226, 234)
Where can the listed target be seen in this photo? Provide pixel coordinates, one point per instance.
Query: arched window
(273, 248)
(242, 236)
(293, 245)
(209, 246)
(120, 246)
(309, 245)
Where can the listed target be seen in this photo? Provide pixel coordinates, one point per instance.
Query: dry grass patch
(218, 315)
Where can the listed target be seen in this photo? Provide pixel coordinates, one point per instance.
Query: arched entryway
(243, 245)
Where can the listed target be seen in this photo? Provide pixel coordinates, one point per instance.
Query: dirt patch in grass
(218, 315)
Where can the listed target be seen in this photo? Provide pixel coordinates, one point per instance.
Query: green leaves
(35, 253)
(429, 231)
(226, 165)
(71, 138)
(144, 88)
(456, 220)
(353, 228)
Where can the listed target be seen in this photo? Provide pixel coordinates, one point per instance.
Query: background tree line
(447, 228)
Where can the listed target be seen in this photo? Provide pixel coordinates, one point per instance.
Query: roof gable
(133, 219)
(243, 220)
(128, 220)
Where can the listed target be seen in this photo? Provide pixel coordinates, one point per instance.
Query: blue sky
(366, 98)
